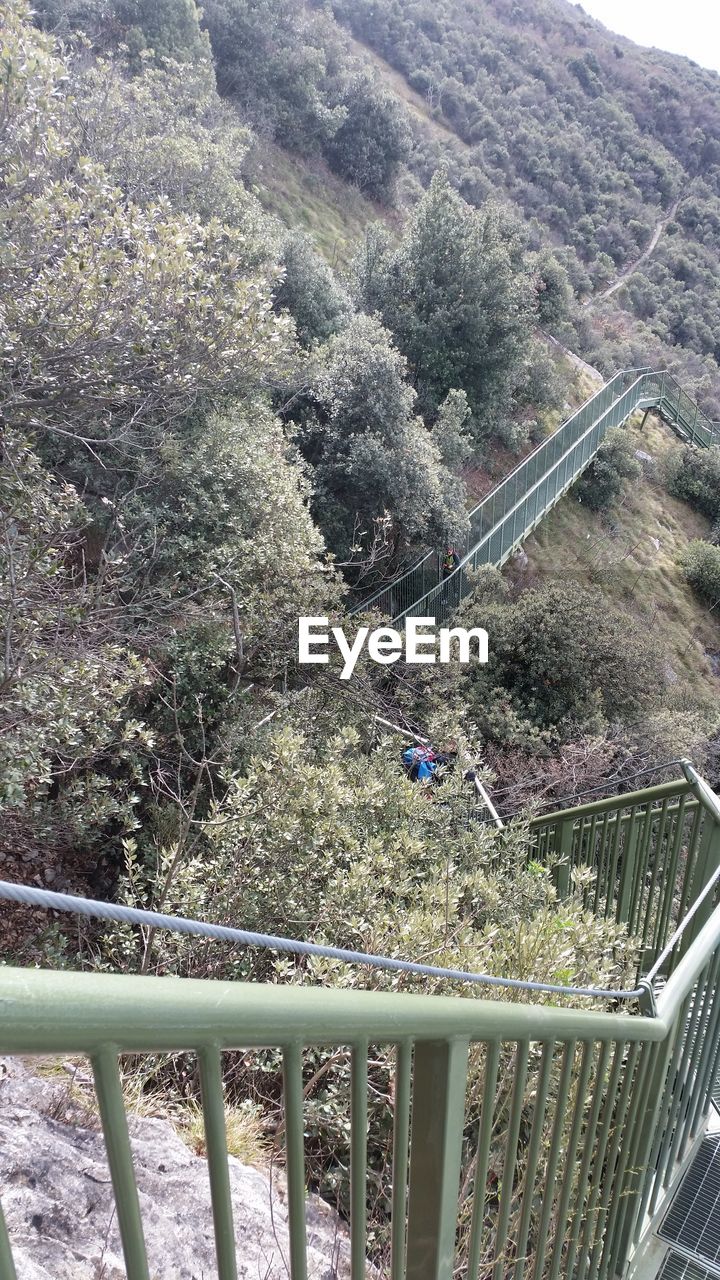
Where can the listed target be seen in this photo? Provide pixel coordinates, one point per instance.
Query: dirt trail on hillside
(633, 266)
(576, 360)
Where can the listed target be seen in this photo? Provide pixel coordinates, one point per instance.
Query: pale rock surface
(57, 1198)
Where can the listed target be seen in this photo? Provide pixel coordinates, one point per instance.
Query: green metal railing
(652, 853)
(510, 512)
(529, 1141)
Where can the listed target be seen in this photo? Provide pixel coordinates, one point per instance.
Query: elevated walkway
(509, 513)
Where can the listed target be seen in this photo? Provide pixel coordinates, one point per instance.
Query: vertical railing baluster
(358, 1159)
(510, 1157)
(482, 1157)
(533, 1152)
(438, 1113)
(570, 1158)
(401, 1141)
(553, 1158)
(663, 921)
(616, 900)
(213, 1104)
(657, 862)
(295, 1159)
(117, 1144)
(588, 1150)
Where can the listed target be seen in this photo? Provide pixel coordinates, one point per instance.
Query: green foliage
(372, 142)
(272, 62)
(694, 476)
(167, 28)
(310, 292)
(701, 566)
(320, 840)
(563, 662)
(554, 291)
(158, 308)
(65, 672)
(458, 302)
(450, 431)
(165, 133)
(131, 615)
(610, 472)
(229, 505)
(287, 70)
(371, 455)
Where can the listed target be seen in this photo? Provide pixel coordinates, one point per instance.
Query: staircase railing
(508, 514)
(530, 1141)
(651, 853)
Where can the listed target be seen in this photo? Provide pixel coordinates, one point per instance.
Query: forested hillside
(596, 142)
(210, 429)
(210, 432)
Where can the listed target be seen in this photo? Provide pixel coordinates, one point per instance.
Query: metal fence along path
(530, 1141)
(510, 512)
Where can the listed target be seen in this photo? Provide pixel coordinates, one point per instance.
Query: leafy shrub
(694, 476)
(373, 140)
(563, 661)
(607, 477)
(310, 292)
(701, 566)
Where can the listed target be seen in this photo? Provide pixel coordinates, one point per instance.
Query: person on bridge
(450, 561)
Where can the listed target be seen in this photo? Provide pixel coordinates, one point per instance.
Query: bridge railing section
(526, 1141)
(514, 509)
(402, 594)
(695, 425)
(500, 521)
(651, 853)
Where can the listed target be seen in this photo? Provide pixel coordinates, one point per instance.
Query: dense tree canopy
(459, 301)
(371, 454)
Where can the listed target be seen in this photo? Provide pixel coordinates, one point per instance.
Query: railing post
(627, 883)
(563, 848)
(7, 1266)
(708, 860)
(438, 1113)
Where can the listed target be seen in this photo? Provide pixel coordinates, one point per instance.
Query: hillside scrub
(694, 476)
(461, 304)
(146, 483)
(564, 663)
(701, 566)
(370, 452)
(609, 474)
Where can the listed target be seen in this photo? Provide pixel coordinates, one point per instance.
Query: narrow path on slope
(633, 266)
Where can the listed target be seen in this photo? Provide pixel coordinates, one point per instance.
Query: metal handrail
(578, 1118)
(611, 405)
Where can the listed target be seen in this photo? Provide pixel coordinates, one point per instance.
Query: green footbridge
(509, 513)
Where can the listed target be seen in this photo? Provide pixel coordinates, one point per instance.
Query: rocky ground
(59, 1209)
